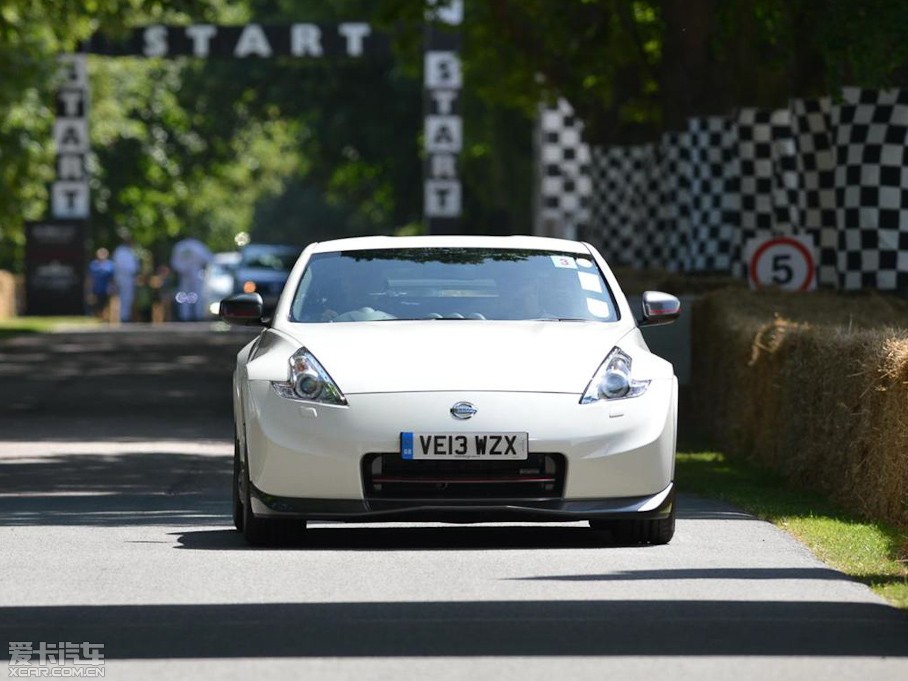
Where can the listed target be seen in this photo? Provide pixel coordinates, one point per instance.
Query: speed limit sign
(785, 262)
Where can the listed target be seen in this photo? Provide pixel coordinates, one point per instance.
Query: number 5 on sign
(785, 262)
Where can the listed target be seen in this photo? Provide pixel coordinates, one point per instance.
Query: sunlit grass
(870, 552)
(18, 325)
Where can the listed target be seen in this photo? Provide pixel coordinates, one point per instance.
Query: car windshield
(281, 260)
(452, 283)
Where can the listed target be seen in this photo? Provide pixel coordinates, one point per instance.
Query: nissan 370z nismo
(462, 379)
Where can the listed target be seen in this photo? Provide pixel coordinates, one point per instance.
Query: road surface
(115, 456)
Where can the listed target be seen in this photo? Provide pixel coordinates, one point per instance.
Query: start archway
(56, 248)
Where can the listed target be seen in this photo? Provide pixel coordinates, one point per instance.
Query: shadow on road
(699, 573)
(128, 488)
(99, 376)
(413, 538)
(133, 472)
(492, 628)
(119, 426)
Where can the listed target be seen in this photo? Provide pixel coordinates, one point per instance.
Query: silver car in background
(219, 281)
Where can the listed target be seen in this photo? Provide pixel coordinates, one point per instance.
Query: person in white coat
(126, 267)
(189, 259)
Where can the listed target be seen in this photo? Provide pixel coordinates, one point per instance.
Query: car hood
(452, 355)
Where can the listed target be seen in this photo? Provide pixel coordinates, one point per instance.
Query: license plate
(463, 446)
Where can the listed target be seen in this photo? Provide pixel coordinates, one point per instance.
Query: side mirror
(245, 309)
(659, 308)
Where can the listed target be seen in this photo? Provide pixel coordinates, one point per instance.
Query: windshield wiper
(559, 319)
(453, 319)
(477, 319)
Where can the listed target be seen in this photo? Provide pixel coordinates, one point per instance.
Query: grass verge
(870, 552)
(16, 326)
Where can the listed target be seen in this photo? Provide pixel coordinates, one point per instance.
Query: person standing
(101, 271)
(188, 260)
(126, 267)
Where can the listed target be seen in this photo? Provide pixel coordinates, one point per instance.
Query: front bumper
(657, 506)
(306, 459)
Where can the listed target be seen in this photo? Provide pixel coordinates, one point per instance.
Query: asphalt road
(114, 529)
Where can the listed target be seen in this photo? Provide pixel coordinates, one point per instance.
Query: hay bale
(815, 386)
(7, 295)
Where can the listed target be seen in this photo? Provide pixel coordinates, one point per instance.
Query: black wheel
(237, 487)
(642, 531)
(263, 531)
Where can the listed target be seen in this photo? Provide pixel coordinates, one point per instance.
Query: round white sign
(782, 262)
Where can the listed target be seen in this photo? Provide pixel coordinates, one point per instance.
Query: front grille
(388, 476)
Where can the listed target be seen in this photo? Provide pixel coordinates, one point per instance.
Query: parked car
(263, 269)
(453, 379)
(218, 280)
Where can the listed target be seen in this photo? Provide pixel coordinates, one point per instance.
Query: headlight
(613, 380)
(308, 381)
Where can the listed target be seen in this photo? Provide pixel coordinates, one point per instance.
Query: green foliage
(632, 68)
(863, 43)
(295, 151)
(600, 54)
(166, 167)
(32, 34)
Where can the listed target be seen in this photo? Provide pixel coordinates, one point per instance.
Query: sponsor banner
(55, 267)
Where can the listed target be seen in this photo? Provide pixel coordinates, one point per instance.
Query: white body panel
(400, 376)
(621, 449)
(415, 356)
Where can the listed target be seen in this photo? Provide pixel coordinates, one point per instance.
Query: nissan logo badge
(463, 410)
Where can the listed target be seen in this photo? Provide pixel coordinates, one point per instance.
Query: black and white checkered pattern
(651, 253)
(768, 186)
(602, 230)
(838, 172)
(815, 167)
(563, 193)
(706, 162)
(673, 221)
(619, 177)
(785, 182)
(635, 204)
(754, 133)
(871, 180)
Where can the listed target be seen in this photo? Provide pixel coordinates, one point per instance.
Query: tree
(32, 34)
(299, 151)
(634, 68)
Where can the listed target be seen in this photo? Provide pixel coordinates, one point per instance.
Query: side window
(297, 309)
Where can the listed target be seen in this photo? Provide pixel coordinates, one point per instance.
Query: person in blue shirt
(126, 267)
(101, 271)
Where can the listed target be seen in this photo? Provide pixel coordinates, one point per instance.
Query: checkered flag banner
(871, 189)
(563, 188)
(707, 165)
(836, 171)
(664, 205)
(768, 184)
(623, 209)
(673, 216)
(815, 160)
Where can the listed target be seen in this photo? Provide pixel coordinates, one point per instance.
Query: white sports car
(462, 379)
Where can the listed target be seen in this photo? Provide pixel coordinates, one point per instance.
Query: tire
(643, 531)
(259, 531)
(237, 487)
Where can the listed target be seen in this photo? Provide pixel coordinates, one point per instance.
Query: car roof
(254, 251)
(497, 242)
(271, 247)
